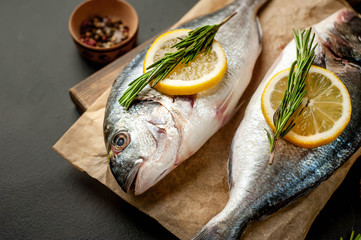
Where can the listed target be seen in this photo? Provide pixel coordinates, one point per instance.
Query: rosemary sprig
(295, 91)
(358, 237)
(187, 50)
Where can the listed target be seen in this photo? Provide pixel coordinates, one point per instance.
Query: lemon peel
(204, 72)
(323, 114)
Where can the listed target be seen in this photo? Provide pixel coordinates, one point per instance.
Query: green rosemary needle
(358, 237)
(187, 50)
(292, 99)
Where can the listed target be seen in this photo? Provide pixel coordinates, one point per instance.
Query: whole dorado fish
(257, 188)
(159, 132)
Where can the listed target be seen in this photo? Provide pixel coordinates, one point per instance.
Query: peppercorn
(103, 32)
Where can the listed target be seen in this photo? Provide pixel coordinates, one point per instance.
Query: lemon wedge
(204, 72)
(323, 114)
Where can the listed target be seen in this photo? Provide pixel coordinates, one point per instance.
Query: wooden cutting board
(90, 89)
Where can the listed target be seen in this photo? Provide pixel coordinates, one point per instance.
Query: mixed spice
(103, 32)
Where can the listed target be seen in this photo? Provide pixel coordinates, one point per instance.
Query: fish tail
(228, 224)
(255, 4)
(220, 231)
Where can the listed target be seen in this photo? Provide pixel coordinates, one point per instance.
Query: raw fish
(159, 132)
(257, 188)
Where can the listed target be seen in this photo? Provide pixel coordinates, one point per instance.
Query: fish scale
(192, 120)
(257, 188)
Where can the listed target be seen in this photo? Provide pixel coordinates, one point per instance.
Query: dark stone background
(41, 195)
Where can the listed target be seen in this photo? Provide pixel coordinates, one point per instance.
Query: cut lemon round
(204, 72)
(324, 113)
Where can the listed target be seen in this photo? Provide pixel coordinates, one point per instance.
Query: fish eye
(120, 141)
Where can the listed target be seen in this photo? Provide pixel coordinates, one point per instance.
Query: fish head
(142, 146)
(341, 35)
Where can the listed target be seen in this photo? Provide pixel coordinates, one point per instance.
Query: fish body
(257, 188)
(159, 132)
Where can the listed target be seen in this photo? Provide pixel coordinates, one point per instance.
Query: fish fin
(205, 234)
(230, 177)
(264, 217)
(239, 105)
(259, 31)
(211, 233)
(256, 4)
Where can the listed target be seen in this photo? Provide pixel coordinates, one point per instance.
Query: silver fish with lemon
(161, 129)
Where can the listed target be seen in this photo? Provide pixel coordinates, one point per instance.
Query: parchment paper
(197, 190)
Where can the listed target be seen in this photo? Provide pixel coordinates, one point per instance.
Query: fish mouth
(152, 151)
(125, 174)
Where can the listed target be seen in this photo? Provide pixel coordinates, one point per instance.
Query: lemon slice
(204, 72)
(323, 114)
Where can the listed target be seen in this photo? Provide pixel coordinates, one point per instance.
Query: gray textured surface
(41, 195)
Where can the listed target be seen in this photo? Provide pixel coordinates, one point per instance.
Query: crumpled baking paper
(197, 190)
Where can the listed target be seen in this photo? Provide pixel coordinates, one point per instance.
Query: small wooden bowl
(116, 10)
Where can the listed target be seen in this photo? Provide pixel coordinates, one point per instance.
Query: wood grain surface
(90, 89)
